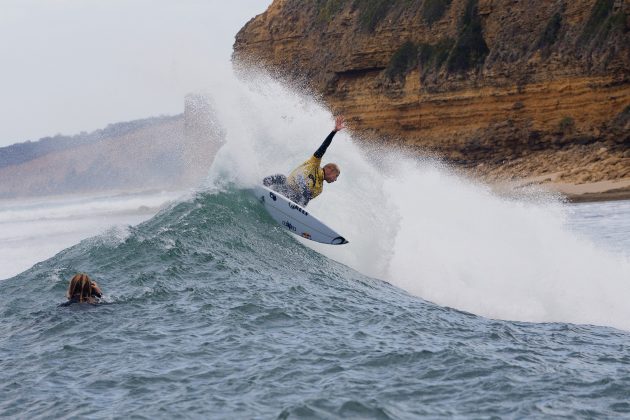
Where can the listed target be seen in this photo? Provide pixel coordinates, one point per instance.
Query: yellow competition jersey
(308, 177)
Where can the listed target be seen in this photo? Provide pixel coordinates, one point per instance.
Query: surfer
(306, 182)
(82, 289)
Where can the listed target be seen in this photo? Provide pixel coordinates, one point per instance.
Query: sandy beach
(574, 192)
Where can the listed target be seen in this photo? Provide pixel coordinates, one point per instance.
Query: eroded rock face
(479, 82)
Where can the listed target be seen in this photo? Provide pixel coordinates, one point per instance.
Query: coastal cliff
(506, 88)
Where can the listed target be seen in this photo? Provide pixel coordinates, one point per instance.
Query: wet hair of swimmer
(331, 172)
(82, 288)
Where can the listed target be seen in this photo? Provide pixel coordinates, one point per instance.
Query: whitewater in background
(418, 226)
(34, 229)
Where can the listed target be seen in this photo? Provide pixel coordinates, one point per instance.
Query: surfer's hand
(339, 123)
(97, 290)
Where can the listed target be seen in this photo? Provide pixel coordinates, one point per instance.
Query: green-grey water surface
(213, 312)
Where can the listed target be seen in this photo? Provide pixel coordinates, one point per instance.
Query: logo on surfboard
(289, 226)
(298, 208)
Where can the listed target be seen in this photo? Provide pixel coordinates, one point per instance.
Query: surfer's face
(330, 174)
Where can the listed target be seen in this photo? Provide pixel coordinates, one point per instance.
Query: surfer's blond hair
(81, 288)
(332, 166)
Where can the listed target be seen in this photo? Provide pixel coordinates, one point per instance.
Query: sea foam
(418, 225)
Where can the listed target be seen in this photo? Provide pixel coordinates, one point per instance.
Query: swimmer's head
(82, 288)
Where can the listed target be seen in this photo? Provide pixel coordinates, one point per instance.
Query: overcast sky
(74, 65)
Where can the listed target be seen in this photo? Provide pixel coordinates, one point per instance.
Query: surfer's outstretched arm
(339, 125)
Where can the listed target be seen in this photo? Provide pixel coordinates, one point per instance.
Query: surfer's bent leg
(273, 180)
(278, 183)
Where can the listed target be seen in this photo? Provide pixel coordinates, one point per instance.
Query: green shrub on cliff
(328, 9)
(371, 12)
(600, 12)
(622, 122)
(566, 125)
(550, 34)
(403, 60)
(433, 10)
(432, 56)
(468, 51)
(602, 22)
(470, 48)
(615, 22)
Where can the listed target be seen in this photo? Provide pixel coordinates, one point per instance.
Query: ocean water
(213, 311)
(607, 224)
(449, 301)
(34, 229)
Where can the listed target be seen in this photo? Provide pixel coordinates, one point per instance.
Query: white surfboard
(296, 219)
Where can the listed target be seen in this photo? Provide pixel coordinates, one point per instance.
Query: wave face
(214, 311)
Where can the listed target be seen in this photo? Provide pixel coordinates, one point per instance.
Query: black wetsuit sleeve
(322, 149)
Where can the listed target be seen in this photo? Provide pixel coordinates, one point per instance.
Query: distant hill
(23, 152)
(168, 152)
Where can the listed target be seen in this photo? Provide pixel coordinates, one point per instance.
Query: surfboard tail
(339, 240)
